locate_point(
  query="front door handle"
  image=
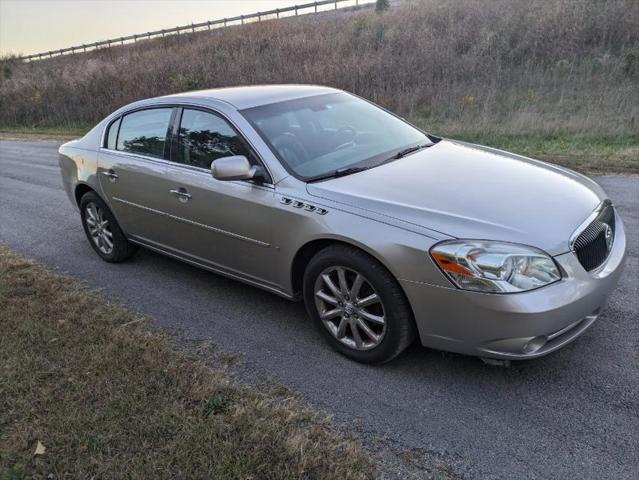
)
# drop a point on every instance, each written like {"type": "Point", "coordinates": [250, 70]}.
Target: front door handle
{"type": "Point", "coordinates": [111, 174]}
{"type": "Point", "coordinates": [182, 194]}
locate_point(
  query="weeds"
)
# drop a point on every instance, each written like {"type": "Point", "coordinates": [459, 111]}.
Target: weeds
{"type": "Point", "coordinates": [505, 66]}
{"type": "Point", "coordinates": [88, 391]}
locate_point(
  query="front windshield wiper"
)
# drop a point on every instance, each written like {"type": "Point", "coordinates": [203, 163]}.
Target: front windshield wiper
{"type": "Point", "coordinates": [407, 151]}
{"type": "Point", "coordinates": [340, 172]}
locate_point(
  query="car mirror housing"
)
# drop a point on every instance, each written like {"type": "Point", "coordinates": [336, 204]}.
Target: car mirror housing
{"type": "Point", "coordinates": [236, 167]}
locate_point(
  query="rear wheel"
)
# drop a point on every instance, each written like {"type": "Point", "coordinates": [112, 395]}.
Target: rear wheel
{"type": "Point", "coordinates": [102, 230]}
{"type": "Point", "coordinates": [357, 305]}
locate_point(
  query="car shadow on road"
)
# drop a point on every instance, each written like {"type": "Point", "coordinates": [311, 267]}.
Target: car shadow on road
{"type": "Point", "coordinates": [247, 320]}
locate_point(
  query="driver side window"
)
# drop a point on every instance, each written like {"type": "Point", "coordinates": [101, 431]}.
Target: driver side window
{"type": "Point", "coordinates": [204, 137]}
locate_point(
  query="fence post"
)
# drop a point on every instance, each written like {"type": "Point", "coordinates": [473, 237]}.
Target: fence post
{"type": "Point", "coordinates": [193, 28]}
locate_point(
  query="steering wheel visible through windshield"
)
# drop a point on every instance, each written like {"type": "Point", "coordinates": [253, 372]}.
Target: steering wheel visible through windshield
{"type": "Point", "coordinates": [316, 136]}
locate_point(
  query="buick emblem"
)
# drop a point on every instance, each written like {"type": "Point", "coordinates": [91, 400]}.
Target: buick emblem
{"type": "Point", "coordinates": [609, 236]}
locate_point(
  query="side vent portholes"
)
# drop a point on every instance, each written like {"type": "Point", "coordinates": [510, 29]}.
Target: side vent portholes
{"type": "Point", "coordinates": [305, 206]}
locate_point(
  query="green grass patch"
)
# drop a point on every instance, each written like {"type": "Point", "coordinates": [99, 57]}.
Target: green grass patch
{"type": "Point", "coordinates": [43, 133]}
{"type": "Point", "coordinates": [87, 390]}
{"type": "Point", "coordinates": [587, 153]}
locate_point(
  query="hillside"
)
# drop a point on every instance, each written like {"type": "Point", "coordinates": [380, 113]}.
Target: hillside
{"type": "Point", "coordinates": [473, 67]}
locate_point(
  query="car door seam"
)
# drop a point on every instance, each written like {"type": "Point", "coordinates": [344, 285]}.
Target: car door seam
{"type": "Point", "coordinates": [192, 222]}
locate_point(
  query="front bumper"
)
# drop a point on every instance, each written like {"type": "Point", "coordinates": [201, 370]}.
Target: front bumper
{"type": "Point", "coordinates": [520, 325]}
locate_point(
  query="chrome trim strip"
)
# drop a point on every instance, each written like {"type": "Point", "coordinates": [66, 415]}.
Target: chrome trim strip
{"type": "Point", "coordinates": [121, 153]}
{"type": "Point", "coordinates": [595, 213]}
{"type": "Point", "coordinates": [191, 222]}
{"type": "Point", "coordinates": [164, 251]}
{"type": "Point", "coordinates": [567, 328]}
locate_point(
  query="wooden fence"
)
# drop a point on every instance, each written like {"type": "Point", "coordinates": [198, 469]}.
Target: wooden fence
{"type": "Point", "coordinates": [313, 7]}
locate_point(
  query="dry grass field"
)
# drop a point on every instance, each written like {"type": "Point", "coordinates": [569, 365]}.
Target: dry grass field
{"type": "Point", "coordinates": [109, 398]}
{"type": "Point", "coordinates": [470, 67]}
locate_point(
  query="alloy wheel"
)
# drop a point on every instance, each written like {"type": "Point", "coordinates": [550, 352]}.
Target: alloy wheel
{"type": "Point", "coordinates": [350, 308]}
{"type": "Point", "coordinates": [99, 228]}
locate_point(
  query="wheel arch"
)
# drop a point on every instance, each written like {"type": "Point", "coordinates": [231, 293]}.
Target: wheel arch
{"type": "Point", "coordinates": [308, 250]}
{"type": "Point", "coordinates": [81, 189]}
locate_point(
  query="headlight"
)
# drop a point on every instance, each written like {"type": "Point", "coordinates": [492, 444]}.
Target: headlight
{"type": "Point", "coordinates": [495, 267]}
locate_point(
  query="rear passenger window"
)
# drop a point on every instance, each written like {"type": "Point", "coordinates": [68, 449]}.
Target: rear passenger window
{"type": "Point", "coordinates": [204, 137]}
{"type": "Point", "coordinates": [113, 134]}
{"type": "Point", "coordinates": [144, 132]}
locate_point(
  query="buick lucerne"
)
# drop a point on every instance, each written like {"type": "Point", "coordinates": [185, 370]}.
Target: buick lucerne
{"type": "Point", "coordinates": [386, 232]}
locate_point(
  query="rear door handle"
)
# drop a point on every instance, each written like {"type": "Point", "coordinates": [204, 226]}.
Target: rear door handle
{"type": "Point", "coordinates": [182, 194]}
{"type": "Point", "coordinates": [111, 174]}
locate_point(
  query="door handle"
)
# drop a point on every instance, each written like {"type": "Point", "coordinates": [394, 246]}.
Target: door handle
{"type": "Point", "coordinates": [110, 174]}
{"type": "Point", "coordinates": [182, 194]}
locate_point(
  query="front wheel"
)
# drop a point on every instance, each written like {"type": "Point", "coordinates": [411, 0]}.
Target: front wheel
{"type": "Point", "coordinates": [357, 305]}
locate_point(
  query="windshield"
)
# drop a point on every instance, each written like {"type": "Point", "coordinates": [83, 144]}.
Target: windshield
{"type": "Point", "coordinates": [315, 136]}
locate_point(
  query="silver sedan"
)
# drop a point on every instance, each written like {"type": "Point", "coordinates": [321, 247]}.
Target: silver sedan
{"type": "Point", "coordinates": [386, 232]}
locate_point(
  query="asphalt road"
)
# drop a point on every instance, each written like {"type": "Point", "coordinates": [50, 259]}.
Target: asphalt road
{"type": "Point", "coordinates": [573, 414]}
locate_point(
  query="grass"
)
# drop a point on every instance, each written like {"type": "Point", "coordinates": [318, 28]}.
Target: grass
{"type": "Point", "coordinates": [42, 133]}
{"type": "Point", "coordinates": [586, 153]}
{"type": "Point", "coordinates": [533, 66]}
{"type": "Point", "coordinates": [109, 398]}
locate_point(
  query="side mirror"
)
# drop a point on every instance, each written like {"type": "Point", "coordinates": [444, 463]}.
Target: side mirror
{"type": "Point", "coordinates": [236, 167]}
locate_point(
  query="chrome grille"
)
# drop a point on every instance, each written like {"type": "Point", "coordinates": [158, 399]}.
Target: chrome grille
{"type": "Point", "coordinates": [592, 246]}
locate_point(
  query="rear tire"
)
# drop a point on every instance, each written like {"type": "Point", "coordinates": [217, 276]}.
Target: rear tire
{"type": "Point", "coordinates": [102, 230]}
{"type": "Point", "coordinates": [357, 305]}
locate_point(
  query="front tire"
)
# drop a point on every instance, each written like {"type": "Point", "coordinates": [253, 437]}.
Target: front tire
{"type": "Point", "coordinates": [102, 230]}
{"type": "Point", "coordinates": [357, 305]}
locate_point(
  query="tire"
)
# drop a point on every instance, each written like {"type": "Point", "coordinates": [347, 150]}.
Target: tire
{"type": "Point", "coordinates": [393, 335]}
{"type": "Point", "coordinates": [110, 243]}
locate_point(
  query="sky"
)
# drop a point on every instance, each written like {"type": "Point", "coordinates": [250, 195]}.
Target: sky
{"type": "Point", "coordinates": [33, 26]}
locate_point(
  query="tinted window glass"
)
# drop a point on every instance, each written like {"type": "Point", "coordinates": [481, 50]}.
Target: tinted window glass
{"type": "Point", "coordinates": [144, 132]}
{"type": "Point", "coordinates": [204, 137]}
{"type": "Point", "coordinates": [113, 134]}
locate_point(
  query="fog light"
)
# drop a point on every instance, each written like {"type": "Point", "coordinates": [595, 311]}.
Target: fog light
{"type": "Point", "coordinates": [534, 344]}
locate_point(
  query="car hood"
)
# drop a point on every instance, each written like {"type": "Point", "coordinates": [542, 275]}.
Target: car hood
{"type": "Point", "coordinates": [470, 191]}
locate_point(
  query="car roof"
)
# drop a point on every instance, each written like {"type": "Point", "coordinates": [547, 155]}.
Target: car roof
{"type": "Point", "coordinates": [255, 96]}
